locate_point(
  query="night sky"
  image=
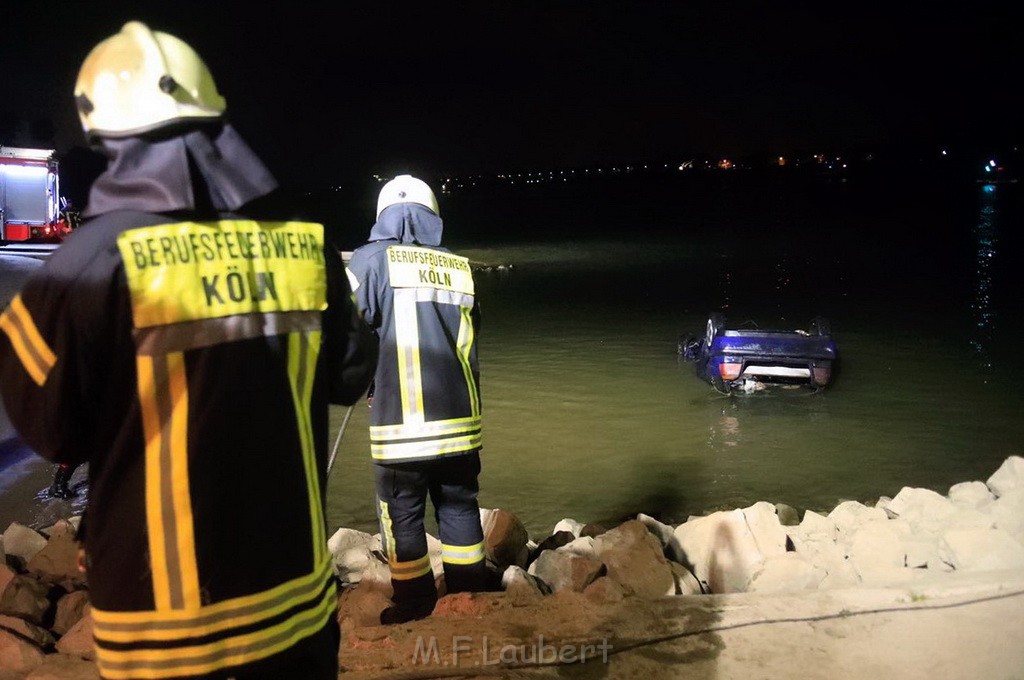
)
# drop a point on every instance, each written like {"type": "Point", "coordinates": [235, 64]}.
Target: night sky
{"type": "Point", "coordinates": [492, 86]}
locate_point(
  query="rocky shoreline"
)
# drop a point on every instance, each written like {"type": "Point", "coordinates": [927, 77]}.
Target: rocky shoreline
{"type": "Point", "coordinates": [578, 592]}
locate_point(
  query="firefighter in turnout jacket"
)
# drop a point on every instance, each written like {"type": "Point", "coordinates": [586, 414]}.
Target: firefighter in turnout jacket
{"type": "Point", "coordinates": [187, 341]}
{"type": "Point", "coordinates": [425, 415]}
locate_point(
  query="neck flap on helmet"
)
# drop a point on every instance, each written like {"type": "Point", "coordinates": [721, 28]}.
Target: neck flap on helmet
{"type": "Point", "coordinates": [204, 166]}
{"type": "Point", "coordinates": [408, 223]}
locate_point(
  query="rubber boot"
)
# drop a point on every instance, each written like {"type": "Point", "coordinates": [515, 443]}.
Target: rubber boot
{"type": "Point", "coordinates": [413, 599]}
{"type": "Point", "coordinates": [61, 476]}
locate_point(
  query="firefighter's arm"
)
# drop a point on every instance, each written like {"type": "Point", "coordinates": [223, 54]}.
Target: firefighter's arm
{"type": "Point", "coordinates": [41, 386]}
{"type": "Point", "coordinates": [354, 344]}
{"type": "Point", "coordinates": [362, 282]}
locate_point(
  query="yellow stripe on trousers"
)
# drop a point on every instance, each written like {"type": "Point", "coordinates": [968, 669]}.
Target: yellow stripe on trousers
{"type": "Point", "coordinates": [462, 554]}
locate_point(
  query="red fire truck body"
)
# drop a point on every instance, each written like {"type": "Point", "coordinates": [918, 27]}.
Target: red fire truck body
{"type": "Point", "coordinates": [31, 206]}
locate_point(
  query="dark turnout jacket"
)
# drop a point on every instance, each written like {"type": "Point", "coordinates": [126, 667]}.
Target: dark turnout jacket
{"type": "Point", "coordinates": [191, 362]}
{"type": "Point", "coordinates": [421, 300]}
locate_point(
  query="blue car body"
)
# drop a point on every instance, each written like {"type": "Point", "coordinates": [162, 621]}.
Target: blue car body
{"type": "Point", "coordinates": [752, 359]}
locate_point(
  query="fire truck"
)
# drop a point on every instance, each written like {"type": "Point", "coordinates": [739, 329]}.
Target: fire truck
{"type": "Point", "coordinates": [32, 209]}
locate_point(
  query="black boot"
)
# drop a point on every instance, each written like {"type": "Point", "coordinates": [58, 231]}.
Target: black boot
{"type": "Point", "coordinates": [413, 599]}
{"type": "Point", "coordinates": [61, 476]}
{"type": "Point", "coordinates": [404, 612]}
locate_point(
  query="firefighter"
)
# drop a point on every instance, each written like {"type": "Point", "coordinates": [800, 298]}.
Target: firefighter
{"type": "Point", "coordinates": [186, 341]}
{"type": "Point", "coordinates": [425, 421]}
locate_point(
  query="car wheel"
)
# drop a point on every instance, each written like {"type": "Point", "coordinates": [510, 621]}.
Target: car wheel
{"type": "Point", "coordinates": [820, 326]}
{"type": "Point", "coordinates": [716, 322]}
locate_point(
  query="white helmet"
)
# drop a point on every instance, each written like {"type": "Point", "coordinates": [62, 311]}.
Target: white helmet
{"type": "Point", "coordinates": [406, 189]}
{"type": "Point", "coordinates": [140, 80]}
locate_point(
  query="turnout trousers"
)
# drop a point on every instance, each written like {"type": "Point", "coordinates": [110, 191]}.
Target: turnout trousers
{"type": "Point", "coordinates": [402, 491]}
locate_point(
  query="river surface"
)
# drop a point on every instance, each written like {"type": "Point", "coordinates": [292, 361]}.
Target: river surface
{"type": "Point", "coordinates": [590, 413]}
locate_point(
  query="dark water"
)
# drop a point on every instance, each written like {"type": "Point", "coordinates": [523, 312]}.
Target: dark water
{"type": "Point", "coordinates": [590, 414]}
{"type": "Point", "coordinates": [588, 411]}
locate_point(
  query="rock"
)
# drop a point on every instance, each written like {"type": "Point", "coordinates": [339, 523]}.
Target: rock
{"type": "Point", "coordinates": [604, 590]}
{"type": "Point", "coordinates": [352, 552]}
{"type": "Point", "coordinates": [70, 609]}
{"type": "Point", "coordinates": [6, 574]}
{"type": "Point", "coordinates": [684, 581]}
{"type": "Point", "coordinates": [765, 526]}
{"type": "Point", "coordinates": [565, 570]}
{"type": "Point", "coordinates": [829, 556]}
{"type": "Point", "coordinates": [1009, 476]}
{"type": "Point", "coordinates": [18, 655]}
{"type": "Point", "coordinates": [662, 532]}
{"type": "Point", "coordinates": [974, 495]}
{"type": "Point", "coordinates": [552, 542]}
{"type": "Point", "coordinates": [981, 550]}
{"type": "Point", "coordinates": [785, 573]}
{"type": "Point", "coordinates": [26, 598]}
{"type": "Point", "coordinates": [924, 509]}
{"type": "Point", "coordinates": [522, 585]}
{"type": "Point", "coordinates": [917, 553]}
{"type": "Point", "coordinates": [876, 543]}
{"type": "Point", "coordinates": [76, 522]}
{"type": "Point", "coordinates": [818, 526]}
{"type": "Point", "coordinates": [1007, 513]}
{"type": "Point", "coordinates": [64, 667]}
{"type": "Point", "coordinates": [635, 558]}
{"type": "Point", "coordinates": [504, 538]}
{"type": "Point", "coordinates": [726, 548]}
{"type": "Point", "coordinates": [788, 515]}
{"type": "Point", "coordinates": [349, 564]}
{"type": "Point", "coordinates": [22, 542]}
{"type": "Point", "coordinates": [57, 562]}
{"type": "Point", "coordinates": [876, 551]}
{"type": "Point", "coordinates": [849, 515]}
{"type": "Point", "coordinates": [376, 576]}
{"type": "Point", "coordinates": [592, 530]}
{"type": "Point", "coordinates": [883, 503]}
{"type": "Point", "coordinates": [360, 606]}
{"type": "Point", "coordinates": [720, 551]}
{"type": "Point", "coordinates": [570, 525]}
{"type": "Point", "coordinates": [79, 641]}
{"type": "Point", "coordinates": [35, 634]}
{"type": "Point", "coordinates": [434, 549]}
{"type": "Point", "coordinates": [377, 546]}
{"type": "Point", "coordinates": [584, 545]}
{"type": "Point", "coordinates": [485, 514]}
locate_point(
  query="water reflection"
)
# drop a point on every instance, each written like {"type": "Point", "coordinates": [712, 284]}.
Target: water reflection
{"type": "Point", "coordinates": [985, 235]}
{"type": "Point", "coordinates": [729, 430]}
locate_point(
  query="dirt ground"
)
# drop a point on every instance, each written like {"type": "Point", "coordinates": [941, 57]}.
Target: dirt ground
{"type": "Point", "coordinates": [949, 627]}
{"type": "Point", "coordinates": [957, 626]}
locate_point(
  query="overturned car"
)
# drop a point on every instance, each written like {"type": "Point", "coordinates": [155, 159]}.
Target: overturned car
{"type": "Point", "coordinates": [749, 359]}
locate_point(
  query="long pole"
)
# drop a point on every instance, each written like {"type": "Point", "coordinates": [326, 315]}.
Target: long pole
{"type": "Point", "coordinates": [337, 442]}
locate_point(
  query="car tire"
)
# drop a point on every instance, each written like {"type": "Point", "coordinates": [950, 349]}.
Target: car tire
{"type": "Point", "coordinates": [716, 323]}
{"type": "Point", "coordinates": [820, 326]}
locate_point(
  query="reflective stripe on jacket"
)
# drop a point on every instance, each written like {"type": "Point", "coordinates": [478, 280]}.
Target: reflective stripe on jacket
{"type": "Point", "coordinates": [191, 364]}
{"type": "Point", "coordinates": [421, 299]}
